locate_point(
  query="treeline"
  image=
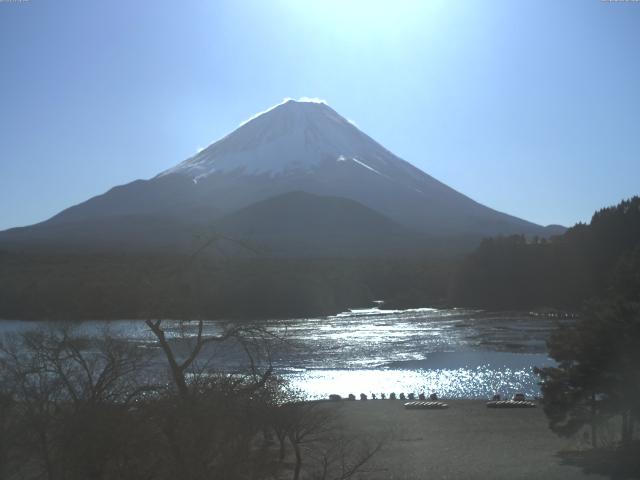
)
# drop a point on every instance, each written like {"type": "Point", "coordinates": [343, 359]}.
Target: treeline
{"type": "Point", "coordinates": [72, 287]}
{"type": "Point", "coordinates": [502, 273]}
{"type": "Point", "coordinates": [587, 261]}
{"type": "Point", "coordinates": [593, 389]}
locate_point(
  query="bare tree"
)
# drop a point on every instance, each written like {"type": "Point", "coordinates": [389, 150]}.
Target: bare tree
{"type": "Point", "coordinates": [7, 432]}
{"type": "Point", "coordinates": [70, 396]}
{"type": "Point", "coordinates": [179, 367]}
{"type": "Point", "coordinates": [340, 456]}
{"type": "Point", "coordinates": [83, 407]}
{"type": "Point", "coordinates": [321, 448]}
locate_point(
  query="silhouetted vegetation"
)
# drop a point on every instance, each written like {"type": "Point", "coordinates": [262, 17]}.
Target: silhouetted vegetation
{"type": "Point", "coordinates": [71, 287]}
{"type": "Point", "coordinates": [585, 262]}
{"type": "Point", "coordinates": [101, 408]}
{"type": "Point", "coordinates": [598, 373]}
{"type": "Point", "coordinates": [594, 389]}
{"type": "Point", "coordinates": [502, 273]}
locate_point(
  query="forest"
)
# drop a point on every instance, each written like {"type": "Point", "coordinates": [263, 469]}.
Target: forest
{"type": "Point", "coordinates": [107, 287]}
{"type": "Point", "coordinates": [512, 272]}
{"type": "Point", "coordinates": [589, 260]}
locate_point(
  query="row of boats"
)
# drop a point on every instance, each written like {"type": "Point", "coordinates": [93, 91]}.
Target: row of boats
{"type": "Point", "coordinates": [518, 401]}
{"type": "Point", "coordinates": [383, 396]}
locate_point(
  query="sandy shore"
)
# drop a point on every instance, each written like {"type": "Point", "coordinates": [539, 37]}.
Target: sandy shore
{"type": "Point", "coordinates": [465, 441]}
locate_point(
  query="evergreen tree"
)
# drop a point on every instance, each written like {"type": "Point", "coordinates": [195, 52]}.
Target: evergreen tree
{"type": "Point", "coordinates": [598, 371]}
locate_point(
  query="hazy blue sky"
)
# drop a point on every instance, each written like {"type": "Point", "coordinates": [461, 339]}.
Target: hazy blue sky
{"type": "Point", "coordinates": [532, 108]}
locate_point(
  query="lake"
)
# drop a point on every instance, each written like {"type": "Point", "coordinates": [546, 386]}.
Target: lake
{"type": "Point", "coordinates": [458, 353]}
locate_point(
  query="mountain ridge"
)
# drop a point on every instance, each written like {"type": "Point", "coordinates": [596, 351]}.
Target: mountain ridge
{"type": "Point", "coordinates": [294, 147]}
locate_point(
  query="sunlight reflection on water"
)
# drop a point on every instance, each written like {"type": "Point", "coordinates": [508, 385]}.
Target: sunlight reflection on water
{"type": "Point", "coordinates": [459, 353]}
{"type": "Point", "coordinates": [481, 382]}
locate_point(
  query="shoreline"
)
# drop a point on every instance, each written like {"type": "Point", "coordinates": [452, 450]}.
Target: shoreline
{"type": "Point", "coordinates": [465, 441]}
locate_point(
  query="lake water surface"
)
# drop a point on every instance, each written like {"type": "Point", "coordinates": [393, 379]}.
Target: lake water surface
{"type": "Point", "coordinates": [458, 353]}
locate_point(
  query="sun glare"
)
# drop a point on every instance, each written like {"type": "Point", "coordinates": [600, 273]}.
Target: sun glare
{"type": "Point", "coordinates": [377, 18]}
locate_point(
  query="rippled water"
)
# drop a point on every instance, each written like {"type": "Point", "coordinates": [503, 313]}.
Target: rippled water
{"type": "Point", "coordinates": [457, 353]}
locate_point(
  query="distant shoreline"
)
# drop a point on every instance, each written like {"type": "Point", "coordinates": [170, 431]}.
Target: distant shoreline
{"type": "Point", "coordinates": [545, 312]}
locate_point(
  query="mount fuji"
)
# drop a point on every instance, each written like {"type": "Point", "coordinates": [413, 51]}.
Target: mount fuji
{"type": "Point", "coordinates": [299, 179]}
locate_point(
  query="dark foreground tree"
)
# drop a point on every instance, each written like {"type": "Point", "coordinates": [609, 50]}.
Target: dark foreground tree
{"type": "Point", "coordinates": [73, 407]}
{"type": "Point", "coordinates": [597, 378]}
{"type": "Point", "coordinates": [68, 405]}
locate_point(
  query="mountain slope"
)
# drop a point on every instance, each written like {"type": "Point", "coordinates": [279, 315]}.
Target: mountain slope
{"type": "Point", "coordinates": [302, 224]}
{"type": "Point", "coordinates": [294, 147]}
{"type": "Point", "coordinates": [309, 147]}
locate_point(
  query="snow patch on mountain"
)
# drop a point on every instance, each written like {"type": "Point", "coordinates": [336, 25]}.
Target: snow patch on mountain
{"type": "Point", "coordinates": [297, 137]}
{"type": "Point", "coordinates": [342, 158]}
{"type": "Point", "coordinates": [365, 166]}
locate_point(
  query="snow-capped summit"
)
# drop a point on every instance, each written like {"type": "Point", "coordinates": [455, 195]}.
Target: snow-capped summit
{"type": "Point", "coordinates": [304, 147]}
{"type": "Point", "coordinates": [294, 136]}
